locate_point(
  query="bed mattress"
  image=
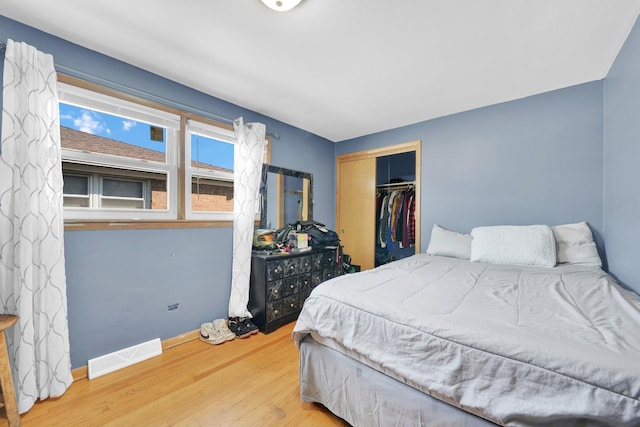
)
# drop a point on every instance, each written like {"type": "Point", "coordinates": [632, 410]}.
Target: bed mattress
{"type": "Point", "coordinates": [514, 345]}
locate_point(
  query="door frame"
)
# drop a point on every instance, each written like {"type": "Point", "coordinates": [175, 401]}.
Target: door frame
{"type": "Point", "coordinates": [380, 152]}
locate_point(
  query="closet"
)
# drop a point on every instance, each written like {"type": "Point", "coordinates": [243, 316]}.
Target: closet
{"type": "Point", "coordinates": [395, 207]}
{"type": "Point", "coordinates": [360, 178]}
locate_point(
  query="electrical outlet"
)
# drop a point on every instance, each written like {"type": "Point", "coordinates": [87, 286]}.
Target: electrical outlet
{"type": "Point", "coordinates": [173, 307]}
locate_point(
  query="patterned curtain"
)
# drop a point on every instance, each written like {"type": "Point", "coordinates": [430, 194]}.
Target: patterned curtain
{"type": "Point", "coordinates": [32, 274]}
{"type": "Point", "coordinates": [247, 168]}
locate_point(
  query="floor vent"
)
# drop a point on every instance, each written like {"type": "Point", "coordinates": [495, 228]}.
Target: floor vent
{"type": "Point", "coordinates": [123, 358]}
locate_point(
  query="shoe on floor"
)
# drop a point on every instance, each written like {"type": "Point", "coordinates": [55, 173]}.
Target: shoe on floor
{"type": "Point", "coordinates": [248, 325]}
{"type": "Point", "coordinates": [221, 325]}
{"type": "Point", "coordinates": [211, 335]}
{"type": "Point", "coordinates": [238, 327]}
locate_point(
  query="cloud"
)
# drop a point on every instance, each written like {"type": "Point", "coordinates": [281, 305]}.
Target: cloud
{"type": "Point", "coordinates": [127, 124]}
{"type": "Point", "coordinates": [88, 123]}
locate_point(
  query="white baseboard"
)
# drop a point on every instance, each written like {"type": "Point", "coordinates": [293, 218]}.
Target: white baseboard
{"type": "Point", "coordinates": [122, 358]}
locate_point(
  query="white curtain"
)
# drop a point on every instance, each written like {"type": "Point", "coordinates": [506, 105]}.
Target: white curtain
{"type": "Point", "coordinates": [248, 157]}
{"type": "Point", "coordinates": [32, 274]}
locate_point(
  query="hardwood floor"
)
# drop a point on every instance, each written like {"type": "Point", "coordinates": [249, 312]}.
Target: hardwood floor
{"type": "Point", "coordinates": [249, 382]}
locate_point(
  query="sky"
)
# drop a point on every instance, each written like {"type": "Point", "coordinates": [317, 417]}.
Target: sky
{"type": "Point", "coordinates": [205, 150]}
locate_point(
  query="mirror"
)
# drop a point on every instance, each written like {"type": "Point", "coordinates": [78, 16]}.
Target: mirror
{"type": "Point", "coordinates": [286, 197]}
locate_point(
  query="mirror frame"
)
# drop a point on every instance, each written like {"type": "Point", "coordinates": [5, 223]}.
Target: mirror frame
{"type": "Point", "coordinates": [307, 179]}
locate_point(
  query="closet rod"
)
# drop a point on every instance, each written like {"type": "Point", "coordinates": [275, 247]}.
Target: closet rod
{"type": "Point", "coordinates": [133, 91]}
{"type": "Point", "coordinates": [397, 184]}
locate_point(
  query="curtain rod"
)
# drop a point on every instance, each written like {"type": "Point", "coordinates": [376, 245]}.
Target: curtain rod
{"type": "Point", "coordinates": [133, 91]}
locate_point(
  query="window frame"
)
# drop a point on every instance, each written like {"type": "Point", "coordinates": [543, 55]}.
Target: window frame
{"type": "Point", "coordinates": [100, 102]}
{"type": "Point", "coordinates": [178, 220]}
{"type": "Point", "coordinates": [144, 189]}
{"type": "Point", "coordinates": [190, 172]}
{"type": "Point", "coordinates": [95, 187]}
{"type": "Point", "coordinates": [88, 196]}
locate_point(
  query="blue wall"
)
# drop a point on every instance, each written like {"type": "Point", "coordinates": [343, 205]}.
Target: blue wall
{"type": "Point", "coordinates": [537, 160]}
{"type": "Point", "coordinates": [622, 162]}
{"type": "Point", "coordinates": [120, 283]}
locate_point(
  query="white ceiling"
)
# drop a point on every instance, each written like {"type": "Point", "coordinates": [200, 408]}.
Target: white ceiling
{"type": "Point", "coordinates": [347, 68]}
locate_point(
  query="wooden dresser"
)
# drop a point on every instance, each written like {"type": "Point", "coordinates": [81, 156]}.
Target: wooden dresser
{"type": "Point", "coordinates": [281, 283]}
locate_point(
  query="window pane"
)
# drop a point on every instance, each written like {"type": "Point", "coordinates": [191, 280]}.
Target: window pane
{"type": "Point", "coordinates": [75, 202]}
{"type": "Point", "coordinates": [123, 203]}
{"type": "Point", "coordinates": [74, 184]}
{"type": "Point", "coordinates": [210, 195]}
{"type": "Point", "coordinates": [92, 131]}
{"type": "Point", "coordinates": [158, 193]}
{"type": "Point", "coordinates": [121, 188]}
{"type": "Point", "coordinates": [211, 154]}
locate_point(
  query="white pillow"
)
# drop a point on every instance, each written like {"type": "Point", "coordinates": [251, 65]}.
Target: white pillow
{"type": "Point", "coordinates": [576, 245]}
{"type": "Point", "coordinates": [449, 243]}
{"type": "Point", "coordinates": [512, 244]}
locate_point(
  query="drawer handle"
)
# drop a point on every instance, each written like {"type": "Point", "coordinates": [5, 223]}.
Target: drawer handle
{"type": "Point", "coordinates": [275, 291]}
{"type": "Point", "coordinates": [292, 305]}
{"type": "Point", "coordinates": [275, 311]}
{"type": "Point", "coordinates": [291, 286]}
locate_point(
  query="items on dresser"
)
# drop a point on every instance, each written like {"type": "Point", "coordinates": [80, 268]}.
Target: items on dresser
{"type": "Point", "coordinates": [316, 233]}
{"type": "Point", "coordinates": [280, 283]}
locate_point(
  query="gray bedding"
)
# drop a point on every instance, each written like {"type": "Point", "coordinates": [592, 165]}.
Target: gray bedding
{"type": "Point", "coordinates": [514, 345]}
{"type": "Point", "coordinates": [363, 396]}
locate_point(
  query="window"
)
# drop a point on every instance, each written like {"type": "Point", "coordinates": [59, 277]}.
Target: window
{"type": "Point", "coordinates": [119, 158]}
{"type": "Point", "coordinates": [76, 191]}
{"type": "Point", "coordinates": [209, 173]}
{"type": "Point", "coordinates": [99, 191]}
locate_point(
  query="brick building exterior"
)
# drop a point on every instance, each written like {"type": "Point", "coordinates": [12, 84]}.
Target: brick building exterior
{"type": "Point", "coordinates": [206, 195]}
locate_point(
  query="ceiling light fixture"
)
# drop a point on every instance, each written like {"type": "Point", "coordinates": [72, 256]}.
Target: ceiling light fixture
{"type": "Point", "coordinates": [281, 5]}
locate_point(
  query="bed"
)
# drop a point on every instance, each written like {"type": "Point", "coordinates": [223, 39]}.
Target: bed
{"type": "Point", "coordinates": [444, 340]}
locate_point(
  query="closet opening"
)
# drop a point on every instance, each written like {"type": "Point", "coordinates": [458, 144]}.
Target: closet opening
{"type": "Point", "coordinates": [395, 207]}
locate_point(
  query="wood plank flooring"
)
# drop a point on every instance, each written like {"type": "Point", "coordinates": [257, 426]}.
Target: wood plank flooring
{"type": "Point", "coordinates": [249, 382]}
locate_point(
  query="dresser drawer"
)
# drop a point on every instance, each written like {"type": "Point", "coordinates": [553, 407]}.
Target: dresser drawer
{"type": "Point", "coordinates": [291, 305]}
{"type": "Point", "coordinates": [274, 310]}
{"type": "Point", "coordinates": [329, 273]}
{"type": "Point", "coordinates": [291, 266]}
{"type": "Point", "coordinates": [290, 285]}
{"type": "Point", "coordinates": [274, 290]}
{"type": "Point", "coordinates": [306, 263]}
{"type": "Point", "coordinates": [304, 283]}
{"type": "Point", "coordinates": [317, 277]}
{"type": "Point", "coordinates": [275, 270]}
{"type": "Point", "coordinates": [324, 259]}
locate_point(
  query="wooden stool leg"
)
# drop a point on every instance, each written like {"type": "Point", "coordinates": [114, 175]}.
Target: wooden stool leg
{"type": "Point", "coordinates": [6, 381]}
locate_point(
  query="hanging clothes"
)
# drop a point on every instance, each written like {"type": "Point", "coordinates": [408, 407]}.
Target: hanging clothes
{"type": "Point", "coordinates": [408, 220]}
{"type": "Point", "coordinates": [384, 221]}
{"type": "Point", "coordinates": [379, 197]}
{"type": "Point", "coordinates": [395, 213]}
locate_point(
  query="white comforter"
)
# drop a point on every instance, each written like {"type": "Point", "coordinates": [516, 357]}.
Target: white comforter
{"type": "Point", "coordinates": [515, 345]}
